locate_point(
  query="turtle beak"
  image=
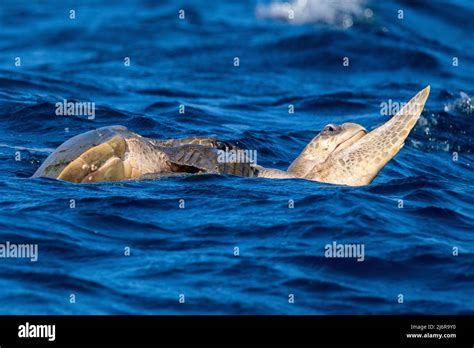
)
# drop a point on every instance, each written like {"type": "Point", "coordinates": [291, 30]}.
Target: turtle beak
{"type": "Point", "coordinates": [353, 128]}
{"type": "Point", "coordinates": [351, 132]}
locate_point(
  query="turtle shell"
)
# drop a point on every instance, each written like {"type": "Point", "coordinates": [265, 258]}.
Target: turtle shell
{"type": "Point", "coordinates": [74, 147]}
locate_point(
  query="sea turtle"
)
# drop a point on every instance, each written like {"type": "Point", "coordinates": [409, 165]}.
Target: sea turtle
{"type": "Point", "coordinates": [348, 155]}
{"type": "Point", "coordinates": [114, 153]}
{"type": "Point", "coordinates": [340, 154]}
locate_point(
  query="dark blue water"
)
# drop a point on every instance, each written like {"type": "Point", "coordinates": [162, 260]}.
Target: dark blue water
{"type": "Point", "coordinates": [190, 251]}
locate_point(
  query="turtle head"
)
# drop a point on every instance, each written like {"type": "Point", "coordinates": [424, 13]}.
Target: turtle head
{"type": "Point", "coordinates": [332, 139]}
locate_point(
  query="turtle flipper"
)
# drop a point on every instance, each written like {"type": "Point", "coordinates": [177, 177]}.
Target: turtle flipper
{"type": "Point", "coordinates": [202, 141]}
{"type": "Point", "coordinates": [360, 163]}
{"type": "Point", "coordinates": [104, 162]}
{"type": "Point", "coordinates": [112, 170]}
{"type": "Point", "coordinates": [191, 158]}
{"type": "Point", "coordinates": [76, 146]}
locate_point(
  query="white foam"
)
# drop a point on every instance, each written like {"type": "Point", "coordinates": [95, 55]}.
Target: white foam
{"type": "Point", "coordinates": [332, 12]}
{"type": "Point", "coordinates": [463, 105]}
{"type": "Point", "coordinates": [29, 149]}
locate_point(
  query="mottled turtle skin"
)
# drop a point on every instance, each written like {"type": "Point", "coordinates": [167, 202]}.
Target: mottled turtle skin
{"type": "Point", "coordinates": [340, 154]}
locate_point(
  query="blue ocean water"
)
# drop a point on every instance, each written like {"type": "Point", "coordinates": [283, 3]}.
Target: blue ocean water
{"type": "Point", "coordinates": [84, 231]}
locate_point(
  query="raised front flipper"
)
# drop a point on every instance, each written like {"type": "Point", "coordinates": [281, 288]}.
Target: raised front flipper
{"type": "Point", "coordinates": [359, 163]}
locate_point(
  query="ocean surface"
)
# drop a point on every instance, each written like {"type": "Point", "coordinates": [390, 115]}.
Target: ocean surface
{"type": "Point", "coordinates": [237, 247]}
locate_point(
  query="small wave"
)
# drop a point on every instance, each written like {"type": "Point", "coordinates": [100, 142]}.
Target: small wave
{"type": "Point", "coordinates": [440, 131]}
{"type": "Point", "coordinates": [332, 12]}
{"type": "Point", "coordinates": [29, 149]}
{"type": "Point", "coordinates": [461, 105]}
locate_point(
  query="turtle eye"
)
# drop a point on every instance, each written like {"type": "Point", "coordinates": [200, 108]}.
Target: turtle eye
{"type": "Point", "coordinates": [329, 128]}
